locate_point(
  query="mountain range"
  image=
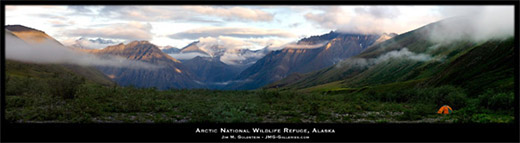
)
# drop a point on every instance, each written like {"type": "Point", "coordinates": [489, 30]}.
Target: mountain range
{"type": "Point", "coordinates": [85, 43]}
{"type": "Point", "coordinates": [212, 68]}
{"type": "Point", "coordinates": [227, 55]}
{"type": "Point", "coordinates": [328, 49]}
{"type": "Point", "coordinates": [334, 60]}
{"type": "Point", "coordinates": [170, 72]}
{"type": "Point", "coordinates": [414, 59]}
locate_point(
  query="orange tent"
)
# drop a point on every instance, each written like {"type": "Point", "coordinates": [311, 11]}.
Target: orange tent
{"type": "Point", "coordinates": [445, 110]}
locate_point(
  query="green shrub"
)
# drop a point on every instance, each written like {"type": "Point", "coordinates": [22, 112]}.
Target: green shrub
{"type": "Point", "coordinates": [491, 118]}
{"type": "Point", "coordinates": [269, 95]}
{"type": "Point", "coordinates": [15, 85]}
{"type": "Point", "coordinates": [409, 115]}
{"type": "Point", "coordinates": [64, 85]}
{"type": "Point", "coordinates": [418, 111]}
{"type": "Point", "coordinates": [25, 85]}
{"type": "Point", "coordinates": [314, 108]}
{"type": "Point", "coordinates": [15, 101]}
{"type": "Point", "coordinates": [396, 96]}
{"type": "Point", "coordinates": [443, 95]}
{"type": "Point", "coordinates": [227, 112]}
{"type": "Point", "coordinates": [497, 101]}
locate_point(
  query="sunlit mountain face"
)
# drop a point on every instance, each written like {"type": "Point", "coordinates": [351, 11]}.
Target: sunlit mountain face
{"type": "Point", "coordinates": [309, 54]}
{"type": "Point", "coordinates": [167, 73]}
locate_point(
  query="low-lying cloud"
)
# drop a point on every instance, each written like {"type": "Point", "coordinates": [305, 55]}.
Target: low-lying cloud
{"type": "Point", "coordinates": [477, 23]}
{"type": "Point", "coordinates": [403, 53]}
{"type": "Point", "coordinates": [223, 83]}
{"type": "Point", "coordinates": [223, 42]}
{"type": "Point", "coordinates": [230, 50]}
{"type": "Point", "coordinates": [236, 57]}
{"type": "Point", "coordinates": [293, 45]}
{"type": "Point", "coordinates": [85, 43]}
{"type": "Point", "coordinates": [51, 52]}
{"type": "Point", "coordinates": [187, 56]}
{"type": "Point", "coordinates": [304, 46]}
{"type": "Point", "coordinates": [480, 22]}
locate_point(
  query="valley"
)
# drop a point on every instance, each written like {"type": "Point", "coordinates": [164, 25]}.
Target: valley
{"type": "Point", "coordinates": [336, 77]}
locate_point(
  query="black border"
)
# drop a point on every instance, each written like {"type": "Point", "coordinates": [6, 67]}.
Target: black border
{"type": "Point", "coordinates": [58, 132]}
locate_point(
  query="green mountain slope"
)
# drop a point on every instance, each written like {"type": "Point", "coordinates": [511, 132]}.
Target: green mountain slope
{"type": "Point", "coordinates": [25, 36]}
{"type": "Point", "coordinates": [489, 65]}
{"type": "Point", "coordinates": [22, 77]}
{"type": "Point", "coordinates": [412, 56]}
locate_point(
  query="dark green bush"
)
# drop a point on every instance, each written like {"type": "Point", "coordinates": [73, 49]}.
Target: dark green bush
{"type": "Point", "coordinates": [228, 112]}
{"type": "Point", "coordinates": [16, 85]}
{"type": "Point", "coordinates": [314, 108]}
{"type": "Point", "coordinates": [25, 85]}
{"type": "Point", "coordinates": [396, 96]}
{"type": "Point", "coordinates": [65, 85]}
{"type": "Point", "coordinates": [418, 111]}
{"type": "Point", "coordinates": [269, 95]}
{"type": "Point", "coordinates": [409, 115]}
{"type": "Point", "coordinates": [443, 95]}
{"type": "Point", "coordinates": [497, 101]}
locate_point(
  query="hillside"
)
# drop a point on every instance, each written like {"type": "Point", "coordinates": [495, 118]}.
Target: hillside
{"type": "Point", "coordinates": [413, 56]}
{"type": "Point", "coordinates": [168, 73]}
{"type": "Point", "coordinates": [32, 38]}
{"type": "Point", "coordinates": [211, 70]}
{"type": "Point", "coordinates": [30, 35]}
{"type": "Point", "coordinates": [328, 49]}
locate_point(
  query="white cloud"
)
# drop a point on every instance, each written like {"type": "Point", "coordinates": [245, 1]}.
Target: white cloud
{"type": "Point", "coordinates": [231, 57]}
{"type": "Point", "coordinates": [475, 23]}
{"type": "Point", "coordinates": [402, 53]}
{"type": "Point", "coordinates": [329, 17]}
{"type": "Point", "coordinates": [128, 31]}
{"type": "Point", "coordinates": [271, 43]}
{"type": "Point", "coordinates": [226, 42]}
{"type": "Point", "coordinates": [86, 43]}
{"type": "Point", "coordinates": [232, 13]}
{"type": "Point", "coordinates": [378, 11]}
{"type": "Point", "coordinates": [257, 22]}
{"type": "Point", "coordinates": [186, 13]}
{"type": "Point", "coordinates": [372, 19]}
{"type": "Point", "coordinates": [61, 23]}
{"type": "Point", "coordinates": [10, 8]}
{"type": "Point", "coordinates": [249, 32]}
{"type": "Point", "coordinates": [231, 50]}
{"type": "Point", "coordinates": [80, 9]}
{"type": "Point", "coordinates": [304, 46]}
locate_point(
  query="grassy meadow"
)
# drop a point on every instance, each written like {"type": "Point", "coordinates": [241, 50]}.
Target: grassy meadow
{"type": "Point", "coordinates": [66, 98]}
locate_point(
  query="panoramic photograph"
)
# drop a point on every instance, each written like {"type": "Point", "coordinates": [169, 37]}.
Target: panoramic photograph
{"type": "Point", "coordinates": [259, 64]}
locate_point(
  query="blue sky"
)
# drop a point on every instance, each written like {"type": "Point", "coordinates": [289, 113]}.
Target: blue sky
{"type": "Point", "coordinates": [252, 27]}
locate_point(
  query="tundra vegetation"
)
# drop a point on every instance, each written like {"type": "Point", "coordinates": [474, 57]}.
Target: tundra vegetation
{"type": "Point", "coordinates": [43, 94]}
